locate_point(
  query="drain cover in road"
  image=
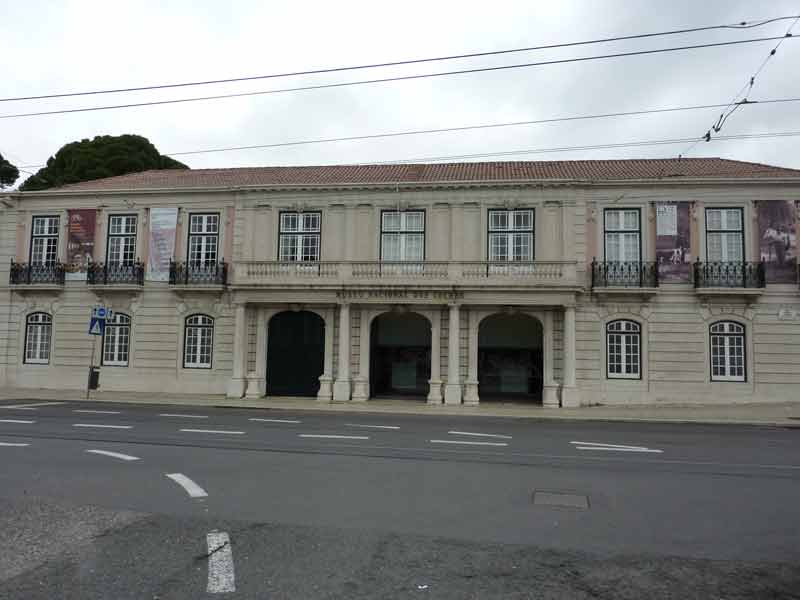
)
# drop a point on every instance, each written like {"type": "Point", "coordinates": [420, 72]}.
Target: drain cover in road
{"type": "Point", "coordinates": [561, 499]}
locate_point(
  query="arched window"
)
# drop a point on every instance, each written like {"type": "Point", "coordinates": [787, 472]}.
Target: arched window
{"type": "Point", "coordinates": [727, 351]}
{"type": "Point", "coordinates": [38, 331]}
{"type": "Point", "coordinates": [198, 342]}
{"type": "Point", "coordinates": [116, 341]}
{"type": "Point", "coordinates": [624, 350]}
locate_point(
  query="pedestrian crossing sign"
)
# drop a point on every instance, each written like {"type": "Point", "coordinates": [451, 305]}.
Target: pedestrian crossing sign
{"type": "Point", "coordinates": [96, 326]}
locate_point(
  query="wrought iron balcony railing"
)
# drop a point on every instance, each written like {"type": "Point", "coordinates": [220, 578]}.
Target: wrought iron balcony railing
{"type": "Point", "coordinates": [624, 274]}
{"type": "Point", "coordinates": [198, 273]}
{"type": "Point", "coordinates": [36, 273]}
{"type": "Point", "coordinates": [115, 274]}
{"type": "Point", "coordinates": [729, 274]}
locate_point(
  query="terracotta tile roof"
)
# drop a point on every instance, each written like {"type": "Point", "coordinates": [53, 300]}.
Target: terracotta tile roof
{"type": "Point", "coordinates": [583, 170]}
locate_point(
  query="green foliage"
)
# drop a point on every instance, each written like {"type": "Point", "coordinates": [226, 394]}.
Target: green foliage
{"type": "Point", "coordinates": [104, 156]}
{"type": "Point", "coordinates": [8, 172]}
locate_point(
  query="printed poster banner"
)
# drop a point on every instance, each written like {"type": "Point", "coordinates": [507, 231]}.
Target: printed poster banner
{"type": "Point", "coordinates": [80, 242]}
{"type": "Point", "coordinates": [777, 234]}
{"type": "Point", "coordinates": [673, 247]}
{"type": "Point", "coordinates": [163, 222]}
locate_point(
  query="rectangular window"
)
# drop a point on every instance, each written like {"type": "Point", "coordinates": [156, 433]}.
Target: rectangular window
{"type": "Point", "coordinates": [724, 235]}
{"type": "Point", "coordinates": [727, 352]}
{"type": "Point", "coordinates": [511, 235]}
{"type": "Point", "coordinates": [38, 331]}
{"type": "Point", "coordinates": [203, 238]}
{"type": "Point", "coordinates": [623, 350]}
{"type": "Point", "coordinates": [403, 236]}
{"type": "Point", "coordinates": [622, 235]}
{"type": "Point", "coordinates": [299, 237]}
{"type": "Point", "coordinates": [116, 341]}
{"type": "Point", "coordinates": [121, 246]}
{"type": "Point", "coordinates": [44, 240]}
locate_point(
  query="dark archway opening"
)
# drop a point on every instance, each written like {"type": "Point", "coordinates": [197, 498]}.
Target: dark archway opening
{"type": "Point", "coordinates": [295, 353]}
{"type": "Point", "coordinates": [510, 358]}
{"type": "Point", "coordinates": [400, 355]}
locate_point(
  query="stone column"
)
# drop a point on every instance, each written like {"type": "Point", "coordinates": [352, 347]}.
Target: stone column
{"type": "Point", "coordinates": [325, 393]}
{"type": "Point", "coordinates": [257, 380]}
{"type": "Point", "coordinates": [452, 391]}
{"type": "Point", "coordinates": [237, 383]}
{"type": "Point", "coordinates": [570, 396]}
{"type": "Point", "coordinates": [435, 382]}
{"type": "Point", "coordinates": [361, 383]}
{"type": "Point", "coordinates": [471, 384]}
{"type": "Point", "coordinates": [341, 387]}
{"type": "Point", "coordinates": [550, 388]}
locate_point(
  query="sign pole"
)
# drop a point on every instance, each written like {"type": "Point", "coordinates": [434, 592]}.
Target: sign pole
{"type": "Point", "coordinates": [91, 365]}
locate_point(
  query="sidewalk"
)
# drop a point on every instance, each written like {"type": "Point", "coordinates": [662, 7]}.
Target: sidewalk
{"type": "Point", "coordinates": [779, 414]}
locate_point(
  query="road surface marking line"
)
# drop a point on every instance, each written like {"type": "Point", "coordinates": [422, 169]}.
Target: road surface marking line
{"type": "Point", "coordinates": [221, 577]}
{"type": "Point", "coordinates": [194, 490]}
{"type": "Point", "coordinates": [212, 431]}
{"type": "Point", "coordinates": [619, 449]}
{"type": "Point", "coordinates": [371, 426]}
{"type": "Point", "coordinates": [605, 445]}
{"type": "Point", "coordinates": [34, 405]}
{"type": "Point", "coordinates": [97, 412]}
{"type": "Point", "coordinates": [491, 435]}
{"type": "Point", "coordinates": [102, 426]}
{"type": "Point", "coordinates": [20, 421]}
{"type": "Point", "coordinates": [334, 437]}
{"type": "Point", "coordinates": [14, 444]}
{"type": "Point", "coordinates": [274, 420]}
{"type": "Point", "coordinates": [179, 416]}
{"type": "Point", "coordinates": [113, 454]}
{"type": "Point", "coordinates": [468, 443]}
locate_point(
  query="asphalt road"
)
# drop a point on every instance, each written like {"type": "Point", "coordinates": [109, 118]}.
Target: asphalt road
{"type": "Point", "coordinates": [131, 501]}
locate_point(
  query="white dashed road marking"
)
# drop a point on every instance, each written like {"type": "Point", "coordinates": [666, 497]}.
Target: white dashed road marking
{"type": "Point", "coordinates": [113, 454]}
{"type": "Point", "coordinates": [274, 420]}
{"type": "Point", "coordinates": [98, 425]}
{"type": "Point", "coordinates": [194, 490]}
{"type": "Point", "coordinates": [177, 416]}
{"type": "Point", "coordinates": [14, 444]}
{"type": "Point", "coordinates": [468, 443]}
{"type": "Point", "coordinates": [18, 421]}
{"type": "Point", "coordinates": [613, 447]}
{"type": "Point", "coordinates": [96, 412]}
{"type": "Point", "coordinates": [372, 426]}
{"type": "Point", "coordinates": [212, 431]}
{"type": "Point", "coordinates": [221, 577]}
{"type": "Point", "coordinates": [334, 437]}
{"type": "Point", "coordinates": [33, 405]}
{"type": "Point", "coordinates": [491, 435]}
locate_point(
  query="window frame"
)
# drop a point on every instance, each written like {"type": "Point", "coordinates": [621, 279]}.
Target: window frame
{"type": "Point", "coordinates": [743, 334]}
{"type": "Point", "coordinates": [403, 232]}
{"type": "Point", "coordinates": [299, 233]}
{"type": "Point", "coordinates": [190, 235]}
{"type": "Point", "coordinates": [606, 231]}
{"type": "Point", "coordinates": [28, 324]}
{"type": "Point", "coordinates": [110, 236]}
{"type": "Point", "coordinates": [129, 325]}
{"type": "Point", "coordinates": [742, 237]}
{"type": "Point", "coordinates": [639, 334]}
{"type": "Point", "coordinates": [509, 232]}
{"type": "Point", "coordinates": [34, 236]}
{"type": "Point", "coordinates": [186, 326]}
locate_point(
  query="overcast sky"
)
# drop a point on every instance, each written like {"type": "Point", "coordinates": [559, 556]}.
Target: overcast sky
{"type": "Point", "coordinates": [75, 46]}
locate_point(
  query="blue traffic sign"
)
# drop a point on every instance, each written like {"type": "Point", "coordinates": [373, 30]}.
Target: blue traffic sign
{"type": "Point", "coordinates": [97, 326]}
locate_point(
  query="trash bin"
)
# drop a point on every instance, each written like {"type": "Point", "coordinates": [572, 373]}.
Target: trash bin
{"type": "Point", "coordinates": [94, 378]}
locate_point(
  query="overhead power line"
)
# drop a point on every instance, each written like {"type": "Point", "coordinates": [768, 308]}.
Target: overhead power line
{"type": "Point", "coordinates": [740, 25]}
{"type": "Point", "coordinates": [388, 79]}
{"type": "Point", "coordinates": [633, 144]}
{"type": "Point", "coordinates": [460, 128]}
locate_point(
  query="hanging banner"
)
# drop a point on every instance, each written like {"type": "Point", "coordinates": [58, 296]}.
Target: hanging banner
{"type": "Point", "coordinates": [673, 246]}
{"type": "Point", "coordinates": [80, 242]}
{"type": "Point", "coordinates": [163, 222]}
{"type": "Point", "coordinates": [777, 234]}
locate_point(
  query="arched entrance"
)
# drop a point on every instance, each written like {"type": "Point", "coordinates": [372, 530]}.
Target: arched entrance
{"type": "Point", "coordinates": [400, 355]}
{"type": "Point", "coordinates": [510, 358]}
{"type": "Point", "coordinates": [295, 353]}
